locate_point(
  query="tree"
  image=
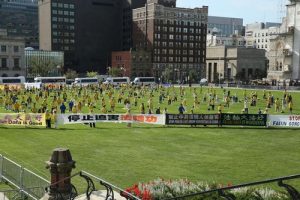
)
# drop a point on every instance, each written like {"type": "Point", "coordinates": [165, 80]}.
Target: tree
{"type": "Point", "coordinates": [40, 67]}
{"type": "Point", "coordinates": [193, 75]}
{"type": "Point", "coordinates": [167, 74]}
{"type": "Point", "coordinates": [91, 74]}
{"type": "Point", "coordinates": [71, 74]}
{"type": "Point", "coordinates": [114, 71]}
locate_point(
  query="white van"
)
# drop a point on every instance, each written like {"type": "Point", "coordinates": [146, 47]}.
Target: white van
{"type": "Point", "coordinates": [144, 81]}
{"type": "Point", "coordinates": [117, 80]}
{"type": "Point", "coordinates": [85, 81]}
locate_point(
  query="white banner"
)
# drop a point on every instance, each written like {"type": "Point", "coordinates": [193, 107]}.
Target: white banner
{"type": "Point", "coordinates": [116, 118]}
{"type": "Point", "coordinates": [284, 121]}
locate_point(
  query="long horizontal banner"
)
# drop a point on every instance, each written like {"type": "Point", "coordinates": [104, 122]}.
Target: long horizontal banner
{"type": "Point", "coordinates": [28, 119]}
{"type": "Point", "coordinates": [192, 119]}
{"type": "Point", "coordinates": [117, 118]}
{"type": "Point", "coordinates": [284, 121]}
{"type": "Point", "coordinates": [244, 119]}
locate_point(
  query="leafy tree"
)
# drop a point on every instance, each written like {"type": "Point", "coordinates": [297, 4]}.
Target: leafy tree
{"type": "Point", "coordinates": [71, 74]}
{"type": "Point", "coordinates": [114, 71]}
{"type": "Point", "coordinates": [40, 67]}
{"type": "Point", "coordinates": [193, 75]}
{"type": "Point", "coordinates": [167, 74]}
{"type": "Point", "coordinates": [91, 74]}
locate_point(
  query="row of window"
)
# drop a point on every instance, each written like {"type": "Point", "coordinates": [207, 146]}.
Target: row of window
{"type": "Point", "coordinates": [176, 37]}
{"type": "Point", "coordinates": [173, 14]}
{"type": "Point", "coordinates": [62, 26]}
{"type": "Point", "coordinates": [178, 52]}
{"type": "Point", "coordinates": [263, 40]}
{"type": "Point", "coordinates": [178, 44]}
{"type": "Point", "coordinates": [4, 63]}
{"type": "Point", "coordinates": [65, 41]}
{"type": "Point", "coordinates": [4, 48]}
{"type": "Point", "coordinates": [64, 33]}
{"type": "Point", "coordinates": [64, 47]}
{"type": "Point", "coordinates": [262, 46]}
{"type": "Point", "coordinates": [63, 12]}
{"type": "Point", "coordinates": [62, 5]}
{"type": "Point", "coordinates": [63, 19]}
{"type": "Point", "coordinates": [178, 29]}
{"type": "Point", "coordinates": [176, 59]}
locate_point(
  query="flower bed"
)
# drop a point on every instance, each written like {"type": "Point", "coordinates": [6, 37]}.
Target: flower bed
{"type": "Point", "coordinates": [163, 189]}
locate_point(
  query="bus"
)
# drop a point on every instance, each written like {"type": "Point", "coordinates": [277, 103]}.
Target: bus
{"type": "Point", "coordinates": [12, 80]}
{"type": "Point", "coordinates": [50, 80]}
{"type": "Point", "coordinates": [144, 81]}
{"type": "Point", "coordinates": [117, 80]}
{"type": "Point", "coordinates": [85, 81]}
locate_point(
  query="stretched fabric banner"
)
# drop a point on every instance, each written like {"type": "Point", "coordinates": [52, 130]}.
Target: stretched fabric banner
{"type": "Point", "coordinates": [193, 119]}
{"type": "Point", "coordinates": [284, 121]}
{"type": "Point", "coordinates": [116, 118]}
{"type": "Point", "coordinates": [244, 119]}
{"type": "Point", "coordinates": [12, 86]}
{"type": "Point", "coordinates": [22, 119]}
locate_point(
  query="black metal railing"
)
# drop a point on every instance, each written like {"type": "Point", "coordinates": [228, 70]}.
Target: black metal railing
{"type": "Point", "coordinates": [89, 178]}
{"type": "Point", "coordinates": [292, 191]}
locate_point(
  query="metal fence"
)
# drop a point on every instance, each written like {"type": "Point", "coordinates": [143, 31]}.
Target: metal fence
{"type": "Point", "coordinates": [27, 183]}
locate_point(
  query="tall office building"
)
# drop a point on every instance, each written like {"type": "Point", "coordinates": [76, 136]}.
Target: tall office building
{"type": "Point", "coordinates": [176, 38]}
{"type": "Point", "coordinates": [20, 19]}
{"type": "Point", "coordinates": [224, 26]}
{"type": "Point", "coordinates": [87, 31]}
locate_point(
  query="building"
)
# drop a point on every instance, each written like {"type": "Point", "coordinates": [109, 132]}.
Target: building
{"type": "Point", "coordinates": [133, 63]}
{"type": "Point", "coordinates": [20, 19]}
{"type": "Point", "coordinates": [284, 58]}
{"type": "Point", "coordinates": [234, 40]}
{"type": "Point", "coordinates": [12, 56]}
{"type": "Point", "coordinates": [52, 59]}
{"type": "Point", "coordinates": [258, 35]}
{"type": "Point", "coordinates": [234, 63]}
{"type": "Point", "coordinates": [176, 38]}
{"type": "Point", "coordinates": [224, 26]}
{"type": "Point", "coordinates": [87, 31]}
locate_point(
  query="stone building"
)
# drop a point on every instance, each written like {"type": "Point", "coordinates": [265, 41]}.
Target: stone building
{"type": "Point", "coordinates": [133, 63]}
{"type": "Point", "coordinates": [234, 63]}
{"type": "Point", "coordinates": [176, 38]}
{"type": "Point", "coordinates": [284, 58]}
{"type": "Point", "coordinates": [12, 61]}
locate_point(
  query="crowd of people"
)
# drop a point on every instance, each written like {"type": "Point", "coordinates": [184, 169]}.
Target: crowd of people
{"type": "Point", "coordinates": [52, 99]}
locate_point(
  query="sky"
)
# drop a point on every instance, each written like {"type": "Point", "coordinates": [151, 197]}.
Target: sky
{"type": "Point", "coordinates": [250, 10]}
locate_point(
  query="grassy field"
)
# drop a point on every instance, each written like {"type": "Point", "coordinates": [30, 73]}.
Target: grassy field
{"type": "Point", "coordinates": [128, 155]}
{"type": "Point", "coordinates": [125, 156]}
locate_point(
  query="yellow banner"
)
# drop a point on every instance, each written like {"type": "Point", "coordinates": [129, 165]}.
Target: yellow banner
{"type": "Point", "coordinates": [11, 86]}
{"type": "Point", "coordinates": [22, 119]}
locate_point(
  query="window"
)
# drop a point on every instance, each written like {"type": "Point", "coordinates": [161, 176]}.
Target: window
{"type": "Point", "coordinates": [60, 5]}
{"type": "Point", "coordinates": [72, 6]}
{"type": "Point", "coordinates": [3, 62]}
{"type": "Point", "coordinates": [72, 20]}
{"type": "Point", "coordinates": [3, 48]}
{"type": "Point", "coordinates": [54, 12]}
{"type": "Point", "coordinates": [66, 12]}
{"type": "Point", "coordinates": [16, 48]}
{"type": "Point", "coordinates": [66, 5]}
{"type": "Point", "coordinates": [54, 19]}
{"type": "Point", "coordinates": [71, 13]}
{"type": "Point", "coordinates": [54, 4]}
{"type": "Point", "coordinates": [60, 12]}
{"type": "Point", "coordinates": [66, 19]}
{"type": "Point", "coordinates": [16, 63]}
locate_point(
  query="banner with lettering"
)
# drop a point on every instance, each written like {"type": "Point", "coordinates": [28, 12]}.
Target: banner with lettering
{"type": "Point", "coordinates": [116, 118]}
{"type": "Point", "coordinates": [284, 121]}
{"type": "Point", "coordinates": [244, 119]}
{"type": "Point", "coordinates": [11, 86]}
{"type": "Point", "coordinates": [22, 119]}
{"type": "Point", "coordinates": [193, 119]}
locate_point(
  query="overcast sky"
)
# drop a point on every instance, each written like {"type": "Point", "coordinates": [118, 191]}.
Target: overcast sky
{"type": "Point", "coordinates": [250, 10]}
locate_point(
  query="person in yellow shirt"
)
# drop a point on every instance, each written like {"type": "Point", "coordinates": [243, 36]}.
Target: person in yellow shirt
{"type": "Point", "coordinates": [277, 105]}
{"type": "Point", "coordinates": [112, 104]}
{"type": "Point", "coordinates": [220, 108]}
{"type": "Point", "coordinates": [74, 109]}
{"type": "Point", "coordinates": [54, 118]}
{"type": "Point", "coordinates": [103, 109]}
{"type": "Point", "coordinates": [48, 117]}
{"type": "Point", "coordinates": [17, 107]}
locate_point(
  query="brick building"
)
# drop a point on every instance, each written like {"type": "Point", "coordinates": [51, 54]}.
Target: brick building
{"type": "Point", "coordinates": [175, 37]}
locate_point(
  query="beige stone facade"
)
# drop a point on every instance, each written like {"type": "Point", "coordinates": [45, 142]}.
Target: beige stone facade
{"type": "Point", "coordinates": [234, 63]}
{"type": "Point", "coordinates": [12, 58]}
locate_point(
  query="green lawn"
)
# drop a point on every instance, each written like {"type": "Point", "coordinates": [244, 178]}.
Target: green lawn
{"type": "Point", "coordinates": [126, 156]}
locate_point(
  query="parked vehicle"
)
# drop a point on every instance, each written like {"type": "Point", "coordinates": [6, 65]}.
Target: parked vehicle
{"type": "Point", "coordinates": [144, 81]}
{"type": "Point", "coordinates": [85, 81]}
{"type": "Point", "coordinates": [12, 80]}
{"type": "Point", "coordinates": [117, 80]}
{"type": "Point", "coordinates": [50, 80]}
